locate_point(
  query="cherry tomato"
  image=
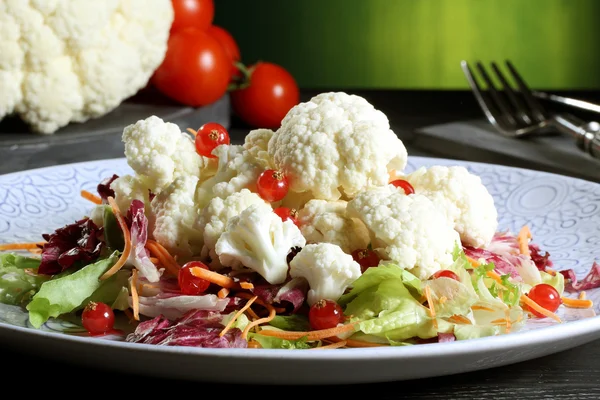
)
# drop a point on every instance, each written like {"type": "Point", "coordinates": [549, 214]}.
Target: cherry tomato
{"type": "Point", "coordinates": [272, 185]}
{"type": "Point", "coordinates": [209, 136]}
{"type": "Point", "coordinates": [192, 14]}
{"type": "Point", "coordinates": [545, 296]}
{"type": "Point", "coordinates": [97, 318]}
{"type": "Point", "coordinates": [190, 284]}
{"type": "Point", "coordinates": [446, 273]}
{"type": "Point", "coordinates": [325, 314]}
{"type": "Point", "coordinates": [195, 70]}
{"type": "Point", "coordinates": [272, 91]}
{"type": "Point", "coordinates": [405, 185]}
{"type": "Point", "coordinates": [287, 213]}
{"type": "Point", "coordinates": [366, 258]}
{"type": "Point", "coordinates": [229, 44]}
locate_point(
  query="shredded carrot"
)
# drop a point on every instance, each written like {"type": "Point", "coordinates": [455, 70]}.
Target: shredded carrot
{"type": "Point", "coordinates": [550, 271]}
{"type": "Point", "coordinates": [214, 277]}
{"type": "Point", "coordinates": [259, 321]}
{"type": "Point", "coordinates": [460, 319]}
{"type": "Point", "coordinates": [499, 321]}
{"type": "Point", "coordinates": [482, 308]}
{"type": "Point", "coordinates": [496, 277]}
{"type": "Point", "coordinates": [253, 344]}
{"type": "Point", "coordinates": [356, 343]}
{"type": "Point", "coordinates": [582, 295]}
{"type": "Point", "coordinates": [430, 305]}
{"type": "Point", "coordinates": [91, 197]}
{"type": "Point", "coordinates": [35, 251]}
{"type": "Point", "coordinates": [21, 246]}
{"type": "Point", "coordinates": [473, 262]}
{"type": "Point", "coordinates": [442, 299]}
{"type": "Point", "coordinates": [135, 299]}
{"type": "Point", "coordinates": [237, 315]}
{"type": "Point", "coordinates": [193, 132]}
{"type": "Point", "coordinates": [523, 239]}
{"type": "Point", "coordinates": [246, 285]}
{"type": "Point", "coordinates": [310, 335]}
{"type": "Point", "coordinates": [224, 292]}
{"type": "Point", "coordinates": [126, 235]}
{"type": "Point", "coordinates": [252, 314]}
{"type": "Point", "coordinates": [334, 345]}
{"type": "Point", "coordinates": [154, 260]}
{"type": "Point", "coordinates": [129, 315]}
{"type": "Point", "coordinates": [165, 259]}
{"type": "Point", "coordinates": [535, 306]}
{"type": "Point", "coordinates": [577, 303]}
{"type": "Point", "coordinates": [507, 319]}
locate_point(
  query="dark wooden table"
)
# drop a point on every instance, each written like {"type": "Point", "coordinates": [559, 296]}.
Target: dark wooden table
{"type": "Point", "coordinates": [574, 374]}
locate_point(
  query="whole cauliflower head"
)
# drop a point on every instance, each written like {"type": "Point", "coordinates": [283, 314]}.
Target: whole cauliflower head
{"type": "Point", "coordinates": [336, 145]}
{"type": "Point", "coordinates": [215, 216]}
{"type": "Point", "coordinates": [323, 221]}
{"type": "Point", "coordinates": [175, 213]}
{"type": "Point", "coordinates": [406, 229]}
{"type": "Point", "coordinates": [328, 270]}
{"type": "Point", "coordinates": [258, 239]}
{"type": "Point", "coordinates": [462, 197]}
{"type": "Point", "coordinates": [64, 60]}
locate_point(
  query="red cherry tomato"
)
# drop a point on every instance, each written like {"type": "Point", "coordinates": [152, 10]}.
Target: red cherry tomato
{"type": "Point", "coordinates": [229, 44]}
{"type": "Point", "coordinates": [195, 70]}
{"type": "Point", "coordinates": [446, 273]}
{"type": "Point", "coordinates": [287, 213]}
{"type": "Point", "coordinates": [405, 185]}
{"type": "Point", "coordinates": [272, 91]}
{"type": "Point", "coordinates": [325, 314]}
{"type": "Point", "coordinates": [192, 14]}
{"type": "Point", "coordinates": [190, 284]}
{"type": "Point", "coordinates": [97, 318]}
{"type": "Point", "coordinates": [545, 296]}
{"type": "Point", "coordinates": [272, 185]}
{"type": "Point", "coordinates": [366, 258]}
{"type": "Point", "coordinates": [209, 136]}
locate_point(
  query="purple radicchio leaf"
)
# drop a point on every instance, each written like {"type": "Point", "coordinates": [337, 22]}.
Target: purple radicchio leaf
{"type": "Point", "coordinates": [591, 281]}
{"type": "Point", "coordinates": [196, 328]}
{"type": "Point", "coordinates": [291, 293]}
{"type": "Point", "coordinates": [446, 337]}
{"type": "Point", "coordinates": [104, 189]}
{"type": "Point", "coordinates": [139, 256]}
{"type": "Point", "coordinates": [81, 242]}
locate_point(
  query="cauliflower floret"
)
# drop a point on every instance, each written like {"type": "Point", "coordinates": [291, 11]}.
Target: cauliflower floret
{"type": "Point", "coordinates": [217, 213]}
{"type": "Point", "coordinates": [63, 60]}
{"type": "Point", "coordinates": [462, 197]}
{"type": "Point", "coordinates": [237, 169]}
{"type": "Point", "coordinates": [128, 188]}
{"type": "Point", "coordinates": [160, 152]}
{"type": "Point", "coordinates": [409, 230]}
{"type": "Point", "coordinates": [327, 221]}
{"type": "Point", "coordinates": [336, 145]}
{"type": "Point", "coordinates": [258, 239]}
{"type": "Point", "coordinates": [256, 143]}
{"type": "Point", "coordinates": [175, 213]}
{"type": "Point", "coordinates": [328, 270]}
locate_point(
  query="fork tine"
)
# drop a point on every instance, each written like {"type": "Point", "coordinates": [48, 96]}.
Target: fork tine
{"type": "Point", "coordinates": [487, 108]}
{"type": "Point", "coordinates": [536, 108]}
{"type": "Point", "coordinates": [510, 93]}
{"type": "Point", "coordinates": [500, 103]}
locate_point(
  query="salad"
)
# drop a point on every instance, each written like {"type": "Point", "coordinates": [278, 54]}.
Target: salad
{"type": "Point", "coordinates": [308, 237]}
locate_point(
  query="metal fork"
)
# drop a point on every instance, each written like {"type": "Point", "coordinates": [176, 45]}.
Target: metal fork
{"type": "Point", "coordinates": [517, 113]}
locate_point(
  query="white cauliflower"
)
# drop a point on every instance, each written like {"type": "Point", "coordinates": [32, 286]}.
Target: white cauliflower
{"type": "Point", "coordinates": [328, 270]}
{"type": "Point", "coordinates": [214, 217]}
{"type": "Point", "coordinates": [64, 60]}
{"type": "Point", "coordinates": [237, 169]}
{"type": "Point", "coordinates": [336, 145]}
{"type": "Point", "coordinates": [175, 213]}
{"type": "Point", "coordinates": [407, 229]}
{"type": "Point", "coordinates": [462, 197]}
{"type": "Point", "coordinates": [258, 239]}
{"type": "Point", "coordinates": [128, 188]}
{"type": "Point", "coordinates": [327, 221]}
{"type": "Point", "coordinates": [256, 143]}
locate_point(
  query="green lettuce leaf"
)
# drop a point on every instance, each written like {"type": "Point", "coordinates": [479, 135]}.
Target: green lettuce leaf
{"type": "Point", "coordinates": [68, 293]}
{"type": "Point", "coordinates": [294, 322]}
{"type": "Point", "coordinates": [557, 281]}
{"type": "Point", "coordinates": [451, 297]}
{"type": "Point", "coordinates": [113, 235]}
{"type": "Point", "coordinates": [110, 290]}
{"type": "Point", "coordinates": [18, 281]}
{"type": "Point", "coordinates": [270, 342]}
{"type": "Point", "coordinates": [241, 322]}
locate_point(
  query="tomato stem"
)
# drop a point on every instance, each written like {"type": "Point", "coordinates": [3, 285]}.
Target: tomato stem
{"type": "Point", "coordinates": [244, 81]}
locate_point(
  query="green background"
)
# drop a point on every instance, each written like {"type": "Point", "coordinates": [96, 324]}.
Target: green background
{"type": "Point", "coordinates": [418, 44]}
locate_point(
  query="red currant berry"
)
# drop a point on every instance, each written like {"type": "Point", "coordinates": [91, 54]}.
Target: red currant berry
{"type": "Point", "coordinates": [272, 185]}
{"type": "Point", "coordinates": [209, 136]}
{"type": "Point", "coordinates": [325, 314]}
{"type": "Point", "coordinates": [445, 273]}
{"type": "Point", "coordinates": [189, 283]}
{"type": "Point", "coordinates": [287, 213]}
{"type": "Point", "coordinates": [97, 318]}
{"type": "Point", "coordinates": [366, 258]}
{"type": "Point", "coordinates": [405, 185]}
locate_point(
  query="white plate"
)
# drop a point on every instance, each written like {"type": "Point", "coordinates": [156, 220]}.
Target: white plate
{"type": "Point", "coordinates": [563, 214]}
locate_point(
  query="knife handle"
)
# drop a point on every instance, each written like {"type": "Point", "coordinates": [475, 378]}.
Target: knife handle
{"type": "Point", "coordinates": [586, 134]}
